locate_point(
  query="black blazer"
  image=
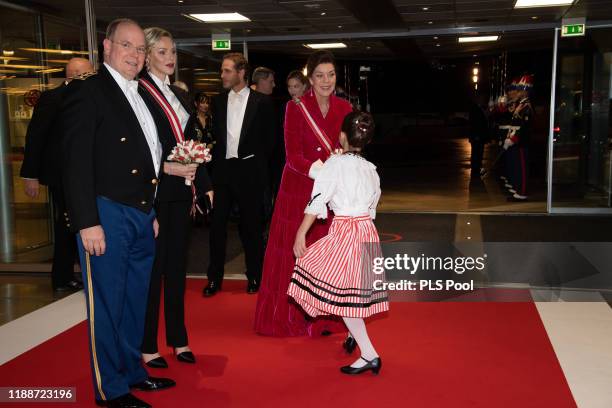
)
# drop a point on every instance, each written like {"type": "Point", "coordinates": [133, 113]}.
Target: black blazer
{"type": "Point", "coordinates": [42, 156]}
{"type": "Point", "coordinates": [173, 188]}
{"type": "Point", "coordinates": [256, 136]}
{"type": "Point", "coordinates": [105, 150]}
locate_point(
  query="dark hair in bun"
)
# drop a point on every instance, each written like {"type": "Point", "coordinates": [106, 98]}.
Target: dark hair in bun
{"type": "Point", "coordinates": [317, 58]}
{"type": "Point", "coordinates": [359, 128]}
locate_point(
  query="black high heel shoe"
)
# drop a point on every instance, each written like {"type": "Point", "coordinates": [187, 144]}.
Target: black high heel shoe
{"type": "Point", "coordinates": [373, 365]}
{"type": "Point", "coordinates": [349, 344]}
{"type": "Point", "coordinates": [157, 362]}
{"type": "Point", "coordinates": [186, 357]}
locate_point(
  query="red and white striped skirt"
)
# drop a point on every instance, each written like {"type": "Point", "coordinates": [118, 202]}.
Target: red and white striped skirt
{"type": "Point", "coordinates": [335, 275]}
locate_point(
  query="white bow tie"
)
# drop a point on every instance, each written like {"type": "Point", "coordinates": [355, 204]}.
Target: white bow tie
{"type": "Point", "coordinates": [132, 86]}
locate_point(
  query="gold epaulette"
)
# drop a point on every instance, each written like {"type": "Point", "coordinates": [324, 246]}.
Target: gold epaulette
{"type": "Point", "coordinates": [85, 75]}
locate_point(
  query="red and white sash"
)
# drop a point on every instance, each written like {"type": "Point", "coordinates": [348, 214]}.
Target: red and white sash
{"type": "Point", "coordinates": [319, 133]}
{"type": "Point", "coordinates": [175, 123]}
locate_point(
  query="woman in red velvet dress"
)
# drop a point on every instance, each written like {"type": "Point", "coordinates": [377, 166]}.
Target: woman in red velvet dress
{"type": "Point", "coordinates": [277, 314]}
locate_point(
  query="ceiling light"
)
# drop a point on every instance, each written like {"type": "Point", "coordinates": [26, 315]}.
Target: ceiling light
{"type": "Point", "coordinates": [339, 26]}
{"type": "Point", "coordinates": [425, 8]}
{"type": "Point", "coordinates": [55, 51]}
{"type": "Point", "coordinates": [220, 17]}
{"type": "Point", "coordinates": [542, 3]}
{"type": "Point", "coordinates": [481, 38]}
{"type": "Point", "coordinates": [430, 22]}
{"type": "Point", "coordinates": [437, 45]}
{"type": "Point", "coordinates": [8, 53]}
{"type": "Point", "coordinates": [24, 66]}
{"type": "Point", "coordinates": [323, 13]}
{"type": "Point", "coordinates": [49, 71]}
{"type": "Point", "coordinates": [57, 61]}
{"type": "Point", "coordinates": [180, 1]}
{"type": "Point", "coordinates": [435, 38]}
{"type": "Point", "coordinates": [534, 17]}
{"type": "Point", "coordinates": [475, 71]}
{"type": "Point", "coordinates": [322, 46]}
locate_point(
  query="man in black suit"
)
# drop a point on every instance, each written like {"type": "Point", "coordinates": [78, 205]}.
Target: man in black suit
{"type": "Point", "coordinates": [41, 165]}
{"type": "Point", "coordinates": [244, 128]}
{"type": "Point", "coordinates": [112, 162]}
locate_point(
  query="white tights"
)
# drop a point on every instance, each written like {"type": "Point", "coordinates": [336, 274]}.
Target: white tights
{"type": "Point", "coordinates": [359, 332]}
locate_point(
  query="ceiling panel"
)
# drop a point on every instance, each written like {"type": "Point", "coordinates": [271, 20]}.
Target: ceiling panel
{"type": "Point", "coordinates": [294, 17]}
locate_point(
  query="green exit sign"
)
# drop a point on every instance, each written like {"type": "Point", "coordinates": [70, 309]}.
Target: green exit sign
{"type": "Point", "coordinates": [573, 30]}
{"type": "Point", "coordinates": [221, 45]}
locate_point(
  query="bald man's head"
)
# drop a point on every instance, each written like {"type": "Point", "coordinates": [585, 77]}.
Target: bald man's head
{"type": "Point", "coordinates": [76, 67]}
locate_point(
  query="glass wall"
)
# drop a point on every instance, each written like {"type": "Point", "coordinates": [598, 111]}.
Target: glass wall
{"type": "Point", "coordinates": [582, 133]}
{"type": "Point", "coordinates": [34, 50]}
{"type": "Point", "coordinates": [35, 47]}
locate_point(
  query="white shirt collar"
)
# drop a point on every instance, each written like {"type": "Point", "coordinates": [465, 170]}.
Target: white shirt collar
{"type": "Point", "coordinates": [243, 92]}
{"type": "Point", "coordinates": [161, 84]}
{"type": "Point", "coordinates": [123, 83]}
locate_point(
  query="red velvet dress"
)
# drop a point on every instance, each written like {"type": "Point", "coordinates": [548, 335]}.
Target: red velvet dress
{"type": "Point", "coordinates": [277, 314]}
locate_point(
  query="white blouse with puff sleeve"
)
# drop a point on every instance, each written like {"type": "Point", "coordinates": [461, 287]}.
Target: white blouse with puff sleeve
{"type": "Point", "coordinates": [349, 184]}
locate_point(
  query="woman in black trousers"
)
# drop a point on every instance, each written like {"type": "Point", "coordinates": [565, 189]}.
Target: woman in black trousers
{"type": "Point", "coordinates": [173, 201]}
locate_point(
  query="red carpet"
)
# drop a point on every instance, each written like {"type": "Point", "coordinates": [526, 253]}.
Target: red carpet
{"type": "Point", "coordinates": [434, 355]}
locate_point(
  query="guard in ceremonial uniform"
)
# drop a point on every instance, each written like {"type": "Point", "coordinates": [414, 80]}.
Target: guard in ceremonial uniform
{"type": "Point", "coordinates": [113, 158]}
{"type": "Point", "coordinates": [517, 138]}
{"type": "Point", "coordinates": [42, 165]}
{"type": "Point", "coordinates": [502, 116]}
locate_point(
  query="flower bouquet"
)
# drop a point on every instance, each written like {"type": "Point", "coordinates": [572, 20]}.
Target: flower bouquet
{"type": "Point", "coordinates": [189, 152]}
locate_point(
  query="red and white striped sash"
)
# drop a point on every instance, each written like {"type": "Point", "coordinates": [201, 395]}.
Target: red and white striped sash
{"type": "Point", "coordinates": [319, 133]}
{"type": "Point", "coordinates": [175, 123]}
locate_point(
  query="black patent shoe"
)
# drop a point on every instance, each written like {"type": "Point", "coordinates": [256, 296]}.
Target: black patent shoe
{"type": "Point", "coordinates": [211, 289]}
{"type": "Point", "coordinates": [70, 286]}
{"type": "Point", "coordinates": [252, 287]}
{"type": "Point", "coordinates": [125, 401]}
{"type": "Point", "coordinates": [157, 362]}
{"type": "Point", "coordinates": [154, 384]}
{"type": "Point", "coordinates": [349, 345]}
{"type": "Point", "coordinates": [373, 365]}
{"type": "Point", "coordinates": [186, 357]}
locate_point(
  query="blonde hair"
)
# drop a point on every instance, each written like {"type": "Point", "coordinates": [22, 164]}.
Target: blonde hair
{"type": "Point", "coordinates": [153, 35]}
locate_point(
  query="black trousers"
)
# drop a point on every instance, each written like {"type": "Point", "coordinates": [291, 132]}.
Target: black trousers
{"type": "Point", "coordinates": [242, 185]}
{"type": "Point", "coordinates": [170, 266]}
{"type": "Point", "coordinates": [476, 156]}
{"type": "Point", "coordinates": [518, 163]}
{"type": "Point", "coordinates": [65, 246]}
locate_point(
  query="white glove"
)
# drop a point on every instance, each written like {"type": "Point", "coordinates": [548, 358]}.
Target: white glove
{"type": "Point", "coordinates": [507, 143]}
